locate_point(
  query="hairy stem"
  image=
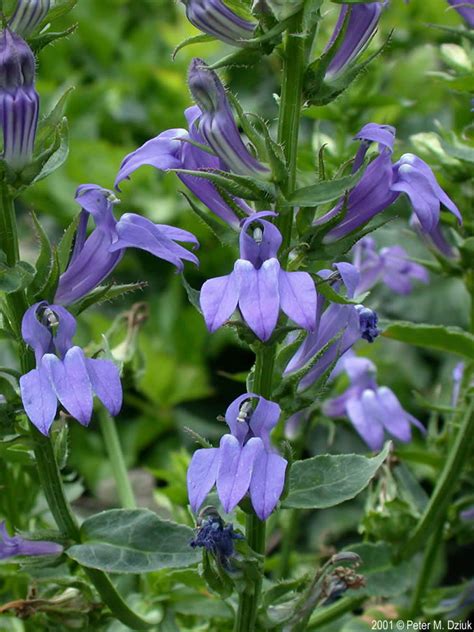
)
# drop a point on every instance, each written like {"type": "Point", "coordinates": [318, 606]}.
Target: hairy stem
{"type": "Point", "coordinates": [117, 462]}
{"type": "Point", "coordinates": [46, 463]}
{"type": "Point", "coordinates": [288, 132]}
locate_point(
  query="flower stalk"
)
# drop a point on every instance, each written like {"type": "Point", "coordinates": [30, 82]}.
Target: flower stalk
{"type": "Point", "coordinates": [288, 133]}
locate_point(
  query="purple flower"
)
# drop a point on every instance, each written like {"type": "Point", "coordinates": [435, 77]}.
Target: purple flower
{"type": "Point", "coordinates": [216, 123]}
{"type": "Point", "coordinates": [390, 265]}
{"type": "Point", "coordinates": [258, 286]}
{"type": "Point", "coordinates": [96, 256]}
{"type": "Point", "coordinates": [10, 546]}
{"type": "Point", "coordinates": [172, 150]}
{"type": "Point", "coordinates": [62, 371]}
{"type": "Point", "coordinates": [342, 324]}
{"type": "Point", "coordinates": [244, 461]}
{"type": "Point", "coordinates": [383, 182]}
{"type": "Point", "coordinates": [28, 15]}
{"type": "Point", "coordinates": [465, 8]}
{"type": "Point", "coordinates": [363, 21]}
{"type": "Point", "coordinates": [19, 101]}
{"type": "Point", "coordinates": [434, 239]}
{"type": "Point", "coordinates": [217, 19]}
{"type": "Point", "coordinates": [371, 409]}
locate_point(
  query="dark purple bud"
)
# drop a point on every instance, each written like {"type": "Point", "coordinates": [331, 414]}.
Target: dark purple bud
{"type": "Point", "coordinates": [19, 101]}
{"type": "Point", "coordinates": [215, 536]}
{"type": "Point", "coordinates": [217, 19]}
{"type": "Point", "coordinates": [28, 15]}
{"type": "Point", "coordinates": [465, 8]}
{"type": "Point", "coordinates": [362, 23]}
{"type": "Point", "coordinates": [216, 123]}
{"type": "Point", "coordinates": [368, 320]}
{"type": "Point", "coordinates": [10, 546]}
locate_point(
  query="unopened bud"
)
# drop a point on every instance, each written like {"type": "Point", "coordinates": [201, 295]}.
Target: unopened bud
{"type": "Point", "coordinates": [28, 16]}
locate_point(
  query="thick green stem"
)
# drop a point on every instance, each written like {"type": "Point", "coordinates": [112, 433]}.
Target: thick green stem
{"type": "Point", "coordinates": [445, 487]}
{"type": "Point", "coordinates": [429, 559]}
{"type": "Point", "coordinates": [119, 469]}
{"type": "Point", "coordinates": [46, 463]}
{"type": "Point", "coordinates": [333, 612]}
{"type": "Point", "coordinates": [288, 132]}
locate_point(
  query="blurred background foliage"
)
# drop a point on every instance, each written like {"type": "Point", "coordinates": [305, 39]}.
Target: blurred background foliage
{"type": "Point", "coordinates": [127, 90]}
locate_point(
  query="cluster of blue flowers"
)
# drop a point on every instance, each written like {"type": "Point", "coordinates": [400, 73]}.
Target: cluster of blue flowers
{"type": "Point", "coordinates": [258, 287]}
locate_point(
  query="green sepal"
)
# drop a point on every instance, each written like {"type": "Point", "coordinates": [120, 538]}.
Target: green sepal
{"type": "Point", "coordinates": [216, 577]}
{"type": "Point", "coordinates": [44, 262]}
{"type": "Point", "coordinates": [221, 231]}
{"type": "Point", "coordinates": [241, 186]}
{"type": "Point", "coordinates": [64, 246]}
{"type": "Point", "coordinates": [39, 42]}
{"type": "Point", "coordinates": [192, 294]}
{"type": "Point", "coordinates": [326, 191]}
{"type": "Point", "coordinates": [326, 289]}
{"type": "Point", "coordinates": [104, 293]}
{"type": "Point", "coordinates": [189, 41]}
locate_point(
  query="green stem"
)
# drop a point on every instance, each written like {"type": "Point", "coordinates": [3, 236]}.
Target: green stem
{"type": "Point", "coordinates": [333, 612]}
{"type": "Point", "coordinates": [119, 469]}
{"type": "Point", "coordinates": [444, 489]}
{"type": "Point", "coordinates": [288, 132]}
{"type": "Point", "coordinates": [429, 559]}
{"type": "Point", "coordinates": [46, 463]}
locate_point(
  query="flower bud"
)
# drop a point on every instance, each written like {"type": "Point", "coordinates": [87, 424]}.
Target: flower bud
{"type": "Point", "coordinates": [368, 320]}
{"type": "Point", "coordinates": [19, 101]}
{"type": "Point", "coordinates": [217, 19]}
{"type": "Point", "coordinates": [216, 123]}
{"type": "Point", "coordinates": [28, 15]}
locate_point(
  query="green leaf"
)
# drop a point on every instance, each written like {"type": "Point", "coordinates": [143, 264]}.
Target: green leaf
{"type": "Point", "coordinates": [383, 577]}
{"type": "Point", "coordinates": [50, 122]}
{"type": "Point", "coordinates": [133, 541]}
{"type": "Point", "coordinates": [461, 152]}
{"type": "Point", "coordinates": [328, 480]}
{"type": "Point", "coordinates": [240, 186]}
{"type": "Point", "coordinates": [324, 192]}
{"type": "Point", "coordinates": [436, 337]}
{"type": "Point", "coordinates": [189, 41]}
{"type": "Point", "coordinates": [330, 293]}
{"type": "Point", "coordinates": [44, 261]}
{"type": "Point", "coordinates": [58, 153]}
{"type": "Point", "coordinates": [14, 278]}
{"type": "Point", "coordinates": [104, 293]}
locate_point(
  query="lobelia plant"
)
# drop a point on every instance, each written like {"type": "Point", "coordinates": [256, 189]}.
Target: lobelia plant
{"type": "Point", "coordinates": [295, 295]}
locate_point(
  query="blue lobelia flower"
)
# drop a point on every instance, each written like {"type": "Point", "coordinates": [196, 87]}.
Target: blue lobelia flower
{"type": "Point", "coordinates": [217, 124]}
{"type": "Point", "coordinates": [371, 409]}
{"type": "Point", "coordinates": [258, 286]}
{"type": "Point", "coordinates": [465, 8]}
{"type": "Point", "coordinates": [10, 546]}
{"type": "Point", "coordinates": [383, 182]}
{"type": "Point", "coordinates": [62, 370]}
{"type": "Point", "coordinates": [19, 101]}
{"type": "Point", "coordinates": [216, 18]}
{"type": "Point", "coordinates": [363, 21]}
{"type": "Point", "coordinates": [95, 257]}
{"type": "Point", "coordinates": [342, 324]}
{"type": "Point", "coordinates": [28, 15]}
{"type": "Point", "coordinates": [244, 461]}
{"type": "Point", "coordinates": [390, 265]}
{"type": "Point", "coordinates": [172, 150]}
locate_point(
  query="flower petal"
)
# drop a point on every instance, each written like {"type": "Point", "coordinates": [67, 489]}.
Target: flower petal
{"type": "Point", "coordinates": [135, 231]}
{"type": "Point", "coordinates": [259, 298]}
{"type": "Point", "coordinates": [236, 465]}
{"type": "Point", "coordinates": [366, 419]}
{"type": "Point", "coordinates": [202, 474]}
{"type": "Point", "coordinates": [218, 300]}
{"type": "Point", "coordinates": [105, 380]}
{"type": "Point", "coordinates": [393, 417]}
{"type": "Point", "coordinates": [298, 298]}
{"type": "Point", "coordinates": [268, 480]}
{"type": "Point", "coordinates": [39, 399]}
{"type": "Point", "coordinates": [264, 418]}
{"type": "Point", "coordinates": [71, 383]}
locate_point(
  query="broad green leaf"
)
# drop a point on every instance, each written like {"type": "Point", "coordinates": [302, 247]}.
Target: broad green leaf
{"type": "Point", "coordinates": [328, 480]}
{"type": "Point", "coordinates": [324, 192]}
{"type": "Point", "coordinates": [382, 576]}
{"type": "Point", "coordinates": [14, 278]}
{"type": "Point", "coordinates": [133, 541]}
{"type": "Point", "coordinates": [436, 337]}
